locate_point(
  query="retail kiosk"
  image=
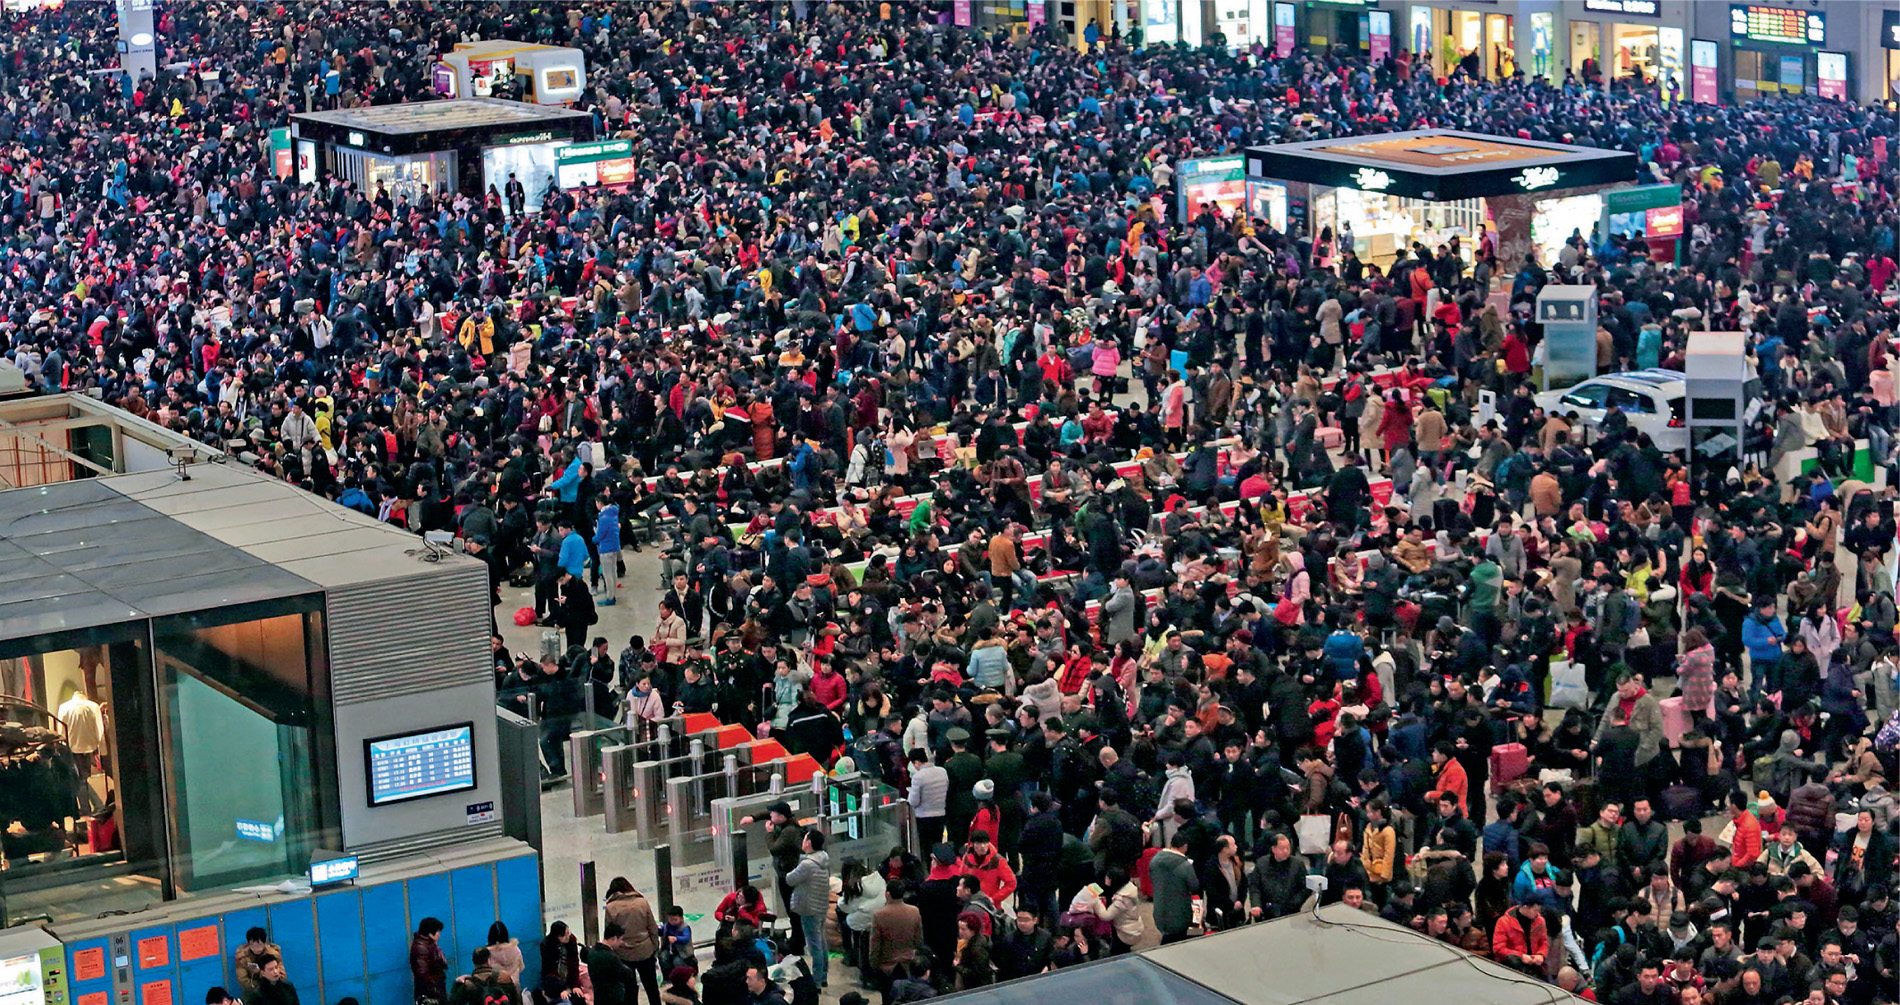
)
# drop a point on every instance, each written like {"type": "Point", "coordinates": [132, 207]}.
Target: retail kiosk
{"type": "Point", "coordinates": [417, 149]}
{"type": "Point", "coordinates": [549, 74]}
{"type": "Point", "coordinates": [1429, 186]}
{"type": "Point", "coordinates": [226, 703]}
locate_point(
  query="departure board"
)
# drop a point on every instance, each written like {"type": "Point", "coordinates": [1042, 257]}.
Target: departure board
{"type": "Point", "coordinates": [1778, 25]}
{"type": "Point", "coordinates": [414, 765]}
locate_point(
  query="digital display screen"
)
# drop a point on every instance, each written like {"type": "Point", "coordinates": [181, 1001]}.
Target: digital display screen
{"type": "Point", "coordinates": [21, 981]}
{"type": "Point", "coordinates": [415, 765]}
{"type": "Point", "coordinates": [1779, 25]}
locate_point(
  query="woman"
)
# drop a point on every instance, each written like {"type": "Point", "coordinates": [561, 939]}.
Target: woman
{"type": "Point", "coordinates": [973, 967]}
{"type": "Point", "coordinates": [682, 987]}
{"type": "Point", "coordinates": [1494, 889]}
{"type": "Point", "coordinates": [504, 954]}
{"type": "Point", "coordinates": [745, 904]}
{"type": "Point", "coordinates": [577, 609]}
{"type": "Point", "coordinates": [1863, 857]}
{"type": "Point", "coordinates": [560, 962]}
{"type": "Point", "coordinates": [427, 964]}
{"type": "Point", "coordinates": [1121, 909]}
{"type": "Point", "coordinates": [860, 899]}
{"type": "Point", "coordinates": [1695, 673]}
{"type": "Point", "coordinates": [641, 949]}
{"type": "Point", "coordinates": [1372, 429]}
{"type": "Point", "coordinates": [1698, 576]}
{"type": "Point", "coordinates": [1821, 633]}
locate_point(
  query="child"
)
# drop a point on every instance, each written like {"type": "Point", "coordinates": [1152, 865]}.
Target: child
{"type": "Point", "coordinates": [676, 942]}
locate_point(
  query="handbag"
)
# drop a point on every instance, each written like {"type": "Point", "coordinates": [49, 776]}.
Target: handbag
{"type": "Point", "coordinates": [1567, 689]}
{"type": "Point", "coordinates": [1315, 831]}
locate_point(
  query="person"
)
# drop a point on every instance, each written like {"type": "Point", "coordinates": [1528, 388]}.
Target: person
{"type": "Point", "coordinates": [761, 989]}
{"type": "Point", "coordinates": [615, 983]}
{"type": "Point", "coordinates": [1117, 900]}
{"type": "Point", "coordinates": [1175, 883]}
{"type": "Point", "coordinates": [483, 984]}
{"type": "Point", "coordinates": [560, 962]}
{"type": "Point", "coordinates": [273, 984]}
{"type": "Point", "coordinates": [1521, 940]}
{"type": "Point", "coordinates": [1025, 949]}
{"type": "Point", "coordinates": [896, 937]}
{"type": "Point", "coordinates": [810, 881]}
{"type": "Point", "coordinates": [973, 967]}
{"type": "Point", "coordinates": [860, 897]}
{"type": "Point", "coordinates": [682, 987]}
{"type": "Point", "coordinates": [639, 945]}
{"type": "Point", "coordinates": [504, 954]}
{"type": "Point", "coordinates": [244, 959]}
{"type": "Point", "coordinates": [427, 965]}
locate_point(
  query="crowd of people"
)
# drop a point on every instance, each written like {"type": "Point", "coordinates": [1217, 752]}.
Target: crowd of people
{"type": "Point", "coordinates": [1163, 562]}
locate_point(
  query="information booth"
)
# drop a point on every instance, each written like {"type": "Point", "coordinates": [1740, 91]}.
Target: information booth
{"type": "Point", "coordinates": [1430, 186]}
{"type": "Point", "coordinates": [226, 703]}
{"type": "Point", "coordinates": [416, 150]}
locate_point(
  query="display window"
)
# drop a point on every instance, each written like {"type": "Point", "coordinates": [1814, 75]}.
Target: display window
{"type": "Point", "coordinates": [1586, 53]}
{"type": "Point", "coordinates": [1381, 226]}
{"type": "Point", "coordinates": [152, 760]}
{"type": "Point", "coordinates": [1636, 51]}
{"type": "Point", "coordinates": [1556, 221]}
{"type": "Point", "coordinates": [1890, 81]}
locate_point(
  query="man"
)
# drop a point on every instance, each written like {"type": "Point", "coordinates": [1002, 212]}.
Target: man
{"type": "Point", "coordinates": [1175, 884]}
{"type": "Point", "coordinates": [783, 838]}
{"type": "Point", "coordinates": [1451, 779]}
{"type": "Point", "coordinates": [929, 789]}
{"type": "Point", "coordinates": [1520, 940]}
{"type": "Point", "coordinates": [1648, 989]}
{"type": "Point", "coordinates": [897, 935]}
{"type": "Point", "coordinates": [1278, 884]}
{"type": "Point", "coordinates": [1025, 949]}
{"type": "Point", "coordinates": [1642, 842]}
{"type": "Point", "coordinates": [484, 985]}
{"type": "Point", "coordinates": [1745, 846]}
{"type": "Point", "coordinates": [760, 990]}
{"type": "Point", "coordinates": [810, 881]}
{"type": "Point", "coordinates": [273, 987]}
{"type": "Point", "coordinates": [1343, 871]}
{"type": "Point", "coordinates": [246, 959]}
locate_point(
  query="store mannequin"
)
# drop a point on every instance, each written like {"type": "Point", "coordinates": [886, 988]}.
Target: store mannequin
{"type": "Point", "coordinates": [85, 729]}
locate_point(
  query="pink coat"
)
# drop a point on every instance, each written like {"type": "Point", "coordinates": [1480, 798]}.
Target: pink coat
{"type": "Point", "coordinates": [1107, 359]}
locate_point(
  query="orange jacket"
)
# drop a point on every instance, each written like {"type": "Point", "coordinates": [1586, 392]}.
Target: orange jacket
{"type": "Point", "coordinates": [1451, 778]}
{"type": "Point", "coordinates": [1747, 841]}
{"type": "Point", "coordinates": [1509, 940]}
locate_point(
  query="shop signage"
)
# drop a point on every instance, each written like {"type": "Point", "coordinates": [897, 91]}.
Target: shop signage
{"type": "Point", "coordinates": [255, 830]}
{"type": "Point", "coordinates": [1534, 178]}
{"type": "Point", "coordinates": [1651, 211]}
{"type": "Point", "coordinates": [1634, 8]}
{"type": "Point", "coordinates": [1372, 179]}
{"type": "Point", "coordinates": [1890, 29]}
{"type": "Point", "coordinates": [587, 153]}
{"type": "Point", "coordinates": [540, 137]}
{"type": "Point", "coordinates": [1777, 25]}
{"type": "Point", "coordinates": [1221, 181]}
{"type": "Point", "coordinates": [355, 138]}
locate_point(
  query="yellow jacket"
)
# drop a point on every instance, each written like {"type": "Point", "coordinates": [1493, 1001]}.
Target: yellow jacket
{"type": "Point", "coordinates": [477, 326]}
{"type": "Point", "coordinates": [1381, 850]}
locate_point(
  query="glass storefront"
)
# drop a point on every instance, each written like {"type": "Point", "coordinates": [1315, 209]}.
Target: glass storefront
{"type": "Point", "coordinates": [414, 178]}
{"type": "Point", "coordinates": [533, 164]}
{"type": "Point", "coordinates": [1586, 53]}
{"type": "Point", "coordinates": [1635, 51]}
{"type": "Point", "coordinates": [1381, 226]}
{"type": "Point", "coordinates": [153, 760]}
{"type": "Point", "coordinates": [1481, 44]}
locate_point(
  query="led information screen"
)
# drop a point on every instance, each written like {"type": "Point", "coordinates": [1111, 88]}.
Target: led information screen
{"type": "Point", "coordinates": [414, 765]}
{"type": "Point", "coordinates": [1779, 25]}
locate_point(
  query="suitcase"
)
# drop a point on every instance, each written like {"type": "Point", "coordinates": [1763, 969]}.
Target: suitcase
{"type": "Point", "coordinates": [1675, 720]}
{"type": "Point", "coordinates": [1509, 762]}
{"type": "Point", "coordinates": [1332, 438]}
{"type": "Point", "coordinates": [1681, 802]}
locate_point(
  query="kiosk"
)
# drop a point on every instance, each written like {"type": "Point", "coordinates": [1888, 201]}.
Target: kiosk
{"type": "Point", "coordinates": [1724, 398]}
{"type": "Point", "coordinates": [226, 703]}
{"type": "Point", "coordinates": [415, 150]}
{"type": "Point", "coordinates": [1430, 186]}
{"type": "Point", "coordinates": [545, 74]}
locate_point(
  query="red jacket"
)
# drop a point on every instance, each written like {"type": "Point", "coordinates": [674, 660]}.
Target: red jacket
{"type": "Point", "coordinates": [995, 875]}
{"type": "Point", "coordinates": [1509, 941]}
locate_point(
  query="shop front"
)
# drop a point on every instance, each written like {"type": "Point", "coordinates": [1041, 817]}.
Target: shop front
{"type": "Point", "coordinates": [1890, 55]}
{"type": "Point", "coordinates": [1380, 195]}
{"type": "Point", "coordinates": [529, 71]}
{"type": "Point", "coordinates": [1634, 40]}
{"type": "Point", "coordinates": [1481, 42]}
{"type": "Point", "coordinates": [414, 151]}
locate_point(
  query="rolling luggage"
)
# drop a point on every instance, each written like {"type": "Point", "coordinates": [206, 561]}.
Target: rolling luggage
{"type": "Point", "coordinates": [1675, 720]}
{"type": "Point", "coordinates": [1509, 762]}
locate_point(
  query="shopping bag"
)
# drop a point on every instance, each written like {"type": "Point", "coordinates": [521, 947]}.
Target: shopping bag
{"type": "Point", "coordinates": [1567, 689]}
{"type": "Point", "coordinates": [1316, 833]}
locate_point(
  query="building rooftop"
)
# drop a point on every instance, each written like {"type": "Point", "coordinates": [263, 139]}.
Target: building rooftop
{"type": "Point", "coordinates": [436, 116]}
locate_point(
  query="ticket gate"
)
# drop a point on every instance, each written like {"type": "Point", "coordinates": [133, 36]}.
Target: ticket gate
{"type": "Point", "coordinates": [631, 805]}
{"type": "Point", "coordinates": [666, 738]}
{"type": "Point", "coordinates": [861, 817]}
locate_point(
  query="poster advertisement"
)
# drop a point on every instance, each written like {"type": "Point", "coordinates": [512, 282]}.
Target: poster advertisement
{"type": "Point", "coordinates": [1219, 180]}
{"type": "Point", "coordinates": [1669, 44]}
{"type": "Point", "coordinates": [960, 13]}
{"type": "Point", "coordinates": [1282, 30]}
{"type": "Point", "coordinates": [280, 156]}
{"type": "Point", "coordinates": [1036, 12]}
{"type": "Point", "coordinates": [1831, 75]}
{"type": "Point", "coordinates": [1702, 58]}
{"type": "Point", "coordinates": [1379, 34]}
{"type": "Point", "coordinates": [1793, 74]}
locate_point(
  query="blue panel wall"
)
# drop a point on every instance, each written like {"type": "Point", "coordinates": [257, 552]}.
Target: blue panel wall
{"type": "Point", "coordinates": [474, 890]}
{"type": "Point", "coordinates": [518, 884]}
{"type": "Point", "coordinates": [348, 943]}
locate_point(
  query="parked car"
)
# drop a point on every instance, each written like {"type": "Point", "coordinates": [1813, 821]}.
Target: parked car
{"type": "Point", "coordinates": [1651, 399]}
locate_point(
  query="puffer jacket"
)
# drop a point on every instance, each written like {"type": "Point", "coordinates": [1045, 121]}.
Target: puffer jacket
{"type": "Point", "coordinates": [811, 883]}
{"type": "Point", "coordinates": [1811, 812]}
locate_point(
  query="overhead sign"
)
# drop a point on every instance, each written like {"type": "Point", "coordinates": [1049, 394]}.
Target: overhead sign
{"type": "Point", "coordinates": [1890, 29]}
{"type": "Point", "coordinates": [1635, 8]}
{"type": "Point", "coordinates": [1650, 211]}
{"type": "Point", "coordinates": [1777, 25]}
{"type": "Point", "coordinates": [1533, 178]}
{"type": "Point", "coordinates": [334, 870]}
{"type": "Point", "coordinates": [587, 153]}
{"type": "Point", "coordinates": [540, 137]}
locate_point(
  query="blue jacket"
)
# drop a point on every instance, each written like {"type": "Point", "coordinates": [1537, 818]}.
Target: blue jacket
{"type": "Point", "coordinates": [1343, 649]}
{"type": "Point", "coordinates": [1525, 886]}
{"type": "Point", "coordinates": [1763, 638]}
{"type": "Point", "coordinates": [607, 530]}
{"type": "Point", "coordinates": [574, 555]}
{"type": "Point", "coordinates": [1501, 836]}
{"type": "Point", "coordinates": [568, 486]}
